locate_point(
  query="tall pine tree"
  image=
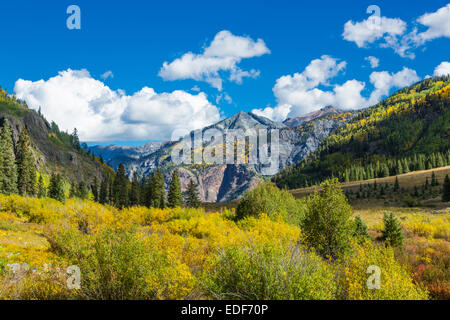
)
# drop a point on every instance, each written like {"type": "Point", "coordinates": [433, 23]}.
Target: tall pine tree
{"type": "Point", "coordinates": [157, 190]}
{"type": "Point", "coordinates": [143, 191]}
{"type": "Point", "coordinates": [8, 169]}
{"type": "Point", "coordinates": [103, 195]}
{"type": "Point", "coordinates": [120, 187]}
{"type": "Point", "coordinates": [175, 198]}
{"type": "Point", "coordinates": [134, 191]}
{"type": "Point", "coordinates": [42, 190]}
{"type": "Point", "coordinates": [192, 199]}
{"type": "Point", "coordinates": [25, 166]}
{"type": "Point", "coordinates": [56, 188]}
{"type": "Point", "coordinates": [95, 189]}
{"type": "Point", "coordinates": [83, 191]}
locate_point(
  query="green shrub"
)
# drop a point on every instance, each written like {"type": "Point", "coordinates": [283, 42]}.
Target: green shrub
{"type": "Point", "coordinates": [360, 230]}
{"type": "Point", "coordinates": [326, 226]}
{"type": "Point", "coordinates": [267, 198]}
{"type": "Point", "coordinates": [119, 264]}
{"type": "Point", "coordinates": [392, 233]}
{"type": "Point", "coordinates": [265, 272]}
{"type": "Point", "coordinates": [395, 282]}
{"type": "Point", "coordinates": [410, 201]}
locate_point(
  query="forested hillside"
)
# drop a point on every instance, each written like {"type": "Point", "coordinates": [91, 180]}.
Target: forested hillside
{"type": "Point", "coordinates": [408, 131]}
{"type": "Point", "coordinates": [52, 150]}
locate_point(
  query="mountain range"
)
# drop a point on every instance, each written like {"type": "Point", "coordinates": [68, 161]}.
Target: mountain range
{"type": "Point", "coordinates": [224, 182]}
{"type": "Point", "coordinates": [325, 143]}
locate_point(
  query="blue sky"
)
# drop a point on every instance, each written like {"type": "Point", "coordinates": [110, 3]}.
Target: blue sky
{"type": "Point", "coordinates": [132, 40]}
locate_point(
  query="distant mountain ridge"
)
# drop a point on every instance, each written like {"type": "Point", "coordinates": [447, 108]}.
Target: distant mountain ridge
{"type": "Point", "coordinates": [114, 154]}
{"type": "Point", "coordinates": [297, 121]}
{"type": "Point", "coordinates": [224, 182]}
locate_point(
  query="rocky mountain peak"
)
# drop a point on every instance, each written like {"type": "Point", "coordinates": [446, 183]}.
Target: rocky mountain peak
{"type": "Point", "coordinates": [325, 111]}
{"type": "Point", "coordinates": [244, 121]}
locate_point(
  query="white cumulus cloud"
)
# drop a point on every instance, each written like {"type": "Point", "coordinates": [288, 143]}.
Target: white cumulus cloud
{"type": "Point", "coordinates": [74, 99]}
{"type": "Point", "coordinates": [223, 54]}
{"type": "Point", "coordinates": [392, 33]}
{"type": "Point", "coordinates": [300, 93]}
{"type": "Point", "coordinates": [442, 69]}
{"type": "Point", "coordinates": [438, 24]}
{"type": "Point", "coordinates": [372, 29]}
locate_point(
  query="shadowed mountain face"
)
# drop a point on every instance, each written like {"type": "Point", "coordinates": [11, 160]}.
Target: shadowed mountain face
{"type": "Point", "coordinates": [225, 182]}
{"type": "Point", "coordinates": [114, 155]}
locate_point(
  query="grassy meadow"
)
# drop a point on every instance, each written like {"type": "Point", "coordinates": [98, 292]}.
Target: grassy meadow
{"type": "Point", "coordinates": [182, 253]}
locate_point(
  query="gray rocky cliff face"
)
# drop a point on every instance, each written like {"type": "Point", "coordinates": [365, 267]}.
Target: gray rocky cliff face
{"type": "Point", "coordinates": [225, 182]}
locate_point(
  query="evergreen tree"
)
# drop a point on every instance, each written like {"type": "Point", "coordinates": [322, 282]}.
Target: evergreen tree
{"type": "Point", "coordinates": [148, 191]}
{"type": "Point", "coordinates": [157, 190]}
{"type": "Point", "coordinates": [134, 191]}
{"type": "Point", "coordinates": [416, 192]}
{"type": "Point", "coordinates": [42, 190]}
{"type": "Point", "coordinates": [360, 229]}
{"type": "Point", "coordinates": [396, 184]}
{"type": "Point", "coordinates": [75, 140]}
{"type": "Point", "coordinates": [439, 161]}
{"type": "Point", "coordinates": [392, 233]}
{"type": "Point", "coordinates": [384, 171]}
{"type": "Point", "coordinates": [405, 165]}
{"type": "Point", "coordinates": [120, 187]}
{"type": "Point", "coordinates": [95, 189]}
{"type": "Point", "coordinates": [434, 181]}
{"type": "Point", "coordinates": [8, 169]}
{"type": "Point", "coordinates": [326, 225]}
{"type": "Point", "coordinates": [103, 195]}
{"type": "Point", "coordinates": [83, 192]}
{"type": "Point", "coordinates": [162, 201]}
{"type": "Point", "coordinates": [56, 188]}
{"type": "Point", "coordinates": [143, 191]}
{"type": "Point", "coordinates": [382, 192]}
{"type": "Point", "coordinates": [175, 198]}
{"type": "Point", "coordinates": [399, 169]}
{"type": "Point", "coordinates": [25, 166]}
{"type": "Point", "coordinates": [110, 192]}
{"type": "Point", "coordinates": [73, 191]}
{"type": "Point", "coordinates": [192, 199]}
{"type": "Point", "coordinates": [446, 189]}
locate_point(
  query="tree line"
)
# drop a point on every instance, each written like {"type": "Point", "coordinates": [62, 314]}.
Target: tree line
{"type": "Point", "coordinates": [392, 167]}
{"type": "Point", "coordinates": [17, 169]}
{"type": "Point", "coordinates": [148, 191]}
{"type": "Point", "coordinates": [406, 127]}
{"type": "Point", "coordinates": [19, 175]}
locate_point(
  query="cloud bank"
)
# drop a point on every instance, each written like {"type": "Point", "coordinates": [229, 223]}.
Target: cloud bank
{"type": "Point", "coordinates": [74, 99]}
{"type": "Point", "coordinates": [300, 93]}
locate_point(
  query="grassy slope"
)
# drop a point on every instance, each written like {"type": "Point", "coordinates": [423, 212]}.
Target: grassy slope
{"type": "Point", "coordinates": [406, 180]}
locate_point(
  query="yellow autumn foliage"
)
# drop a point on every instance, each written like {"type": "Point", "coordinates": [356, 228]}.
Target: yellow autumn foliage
{"type": "Point", "coordinates": [150, 253]}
